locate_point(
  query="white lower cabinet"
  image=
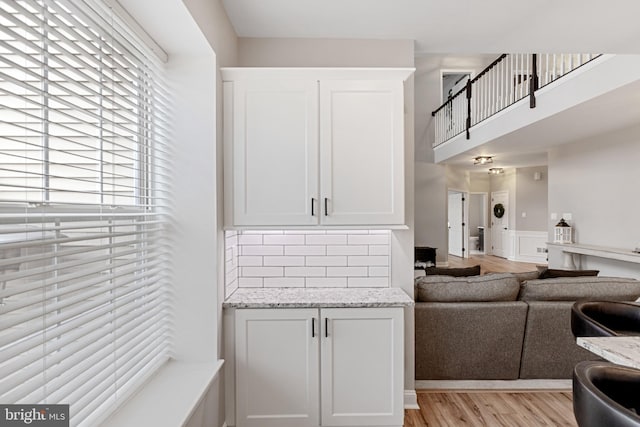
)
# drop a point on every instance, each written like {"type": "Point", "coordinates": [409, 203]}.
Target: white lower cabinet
{"type": "Point", "coordinates": [319, 367]}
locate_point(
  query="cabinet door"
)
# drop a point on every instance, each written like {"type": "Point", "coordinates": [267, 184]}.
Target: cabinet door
{"type": "Point", "coordinates": [275, 152]}
{"type": "Point", "coordinates": [362, 152]}
{"type": "Point", "coordinates": [362, 367]}
{"type": "Point", "coordinates": [277, 371]}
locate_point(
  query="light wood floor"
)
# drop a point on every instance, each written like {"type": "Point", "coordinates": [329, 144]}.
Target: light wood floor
{"type": "Point", "coordinates": [494, 409]}
{"type": "Point", "coordinates": [491, 263]}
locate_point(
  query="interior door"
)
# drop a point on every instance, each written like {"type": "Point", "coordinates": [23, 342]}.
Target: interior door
{"type": "Point", "coordinates": [456, 221]}
{"type": "Point", "coordinates": [500, 223]}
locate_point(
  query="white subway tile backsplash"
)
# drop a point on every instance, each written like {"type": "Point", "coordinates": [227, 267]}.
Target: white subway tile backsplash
{"type": "Point", "coordinates": [249, 261]}
{"type": "Point", "coordinates": [261, 271]}
{"type": "Point", "coordinates": [285, 239]}
{"type": "Point", "coordinates": [326, 282]}
{"type": "Point", "coordinates": [368, 239]}
{"type": "Point", "coordinates": [348, 250]}
{"type": "Point", "coordinates": [311, 258]}
{"type": "Point", "coordinates": [368, 260]}
{"type": "Point", "coordinates": [284, 261]}
{"type": "Point", "coordinates": [305, 250]}
{"type": "Point", "coordinates": [378, 271]}
{"type": "Point", "coordinates": [378, 249]}
{"type": "Point", "coordinates": [261, 250]}
{"type": "Point", "coordinates": [250, 282]}
{"type": "Point", "coordinates": [347, 271]}
{"type": "Point", "coordinates": [305, 271]}
{"type": "Point", "coordinates": [284, 282]}
{"type": "Point", "coordinates": [250, 239]}
{"type": "Point", "coordinates": [326, 239]}
{"type": "Point", "coordinates": [326, 260]}
{"type": "Point", "coordinates": [367, 282]}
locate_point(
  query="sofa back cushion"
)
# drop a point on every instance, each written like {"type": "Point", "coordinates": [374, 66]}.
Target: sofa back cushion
{"type": "Point", "coordinates": [455, 272]}
{"type": "Point", "coordinates": [577, 288]}
{"type": "Point", "coordinates": [490, 287]}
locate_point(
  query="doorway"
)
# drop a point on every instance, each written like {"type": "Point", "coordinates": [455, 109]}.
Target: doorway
{"type": "Point", "coordinates": [500, 223]}
{"type": "Point", "coordinates": [452, 81]}
{"type": "Point", "coordinates": [478, 212]}
{"type": "Point", "coordinates": [456, 223]}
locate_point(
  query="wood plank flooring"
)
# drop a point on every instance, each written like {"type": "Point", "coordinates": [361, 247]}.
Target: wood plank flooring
{"type": "Point", "coordinates": [491, 263]}
{"type": "Point", "coordinates": [494, 409]}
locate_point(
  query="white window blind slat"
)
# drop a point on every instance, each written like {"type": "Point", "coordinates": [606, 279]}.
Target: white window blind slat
{"type": "Point", "coordinates": [74, 339]}
{"type": "Point", "coordinates": [64, 359]}
{"type": "Point", "coordinates": [85, 207]}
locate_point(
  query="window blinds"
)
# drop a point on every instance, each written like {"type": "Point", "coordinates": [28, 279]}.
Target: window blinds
{"type": "Point", "coordinates": [84, 208]}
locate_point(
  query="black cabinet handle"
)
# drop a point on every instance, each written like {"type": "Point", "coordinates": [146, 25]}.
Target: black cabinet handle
{"type": "Point", "coordinates": [326, 327]}
{"type": "Point", "coordinates": [326, 210]}
{"type": "Point", "coordinates": [313, 327]}
{"type": "Point", "coordinates": [313, 203]}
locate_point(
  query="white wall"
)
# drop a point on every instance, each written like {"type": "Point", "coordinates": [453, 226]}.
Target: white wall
{"type": "Point", "coordinates": [596, 180]}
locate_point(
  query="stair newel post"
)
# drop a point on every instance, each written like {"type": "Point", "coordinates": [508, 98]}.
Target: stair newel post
{"type": "Point", "coordinates": [533, 82]}
{"type": "Point", "coordinates": [468, 121]}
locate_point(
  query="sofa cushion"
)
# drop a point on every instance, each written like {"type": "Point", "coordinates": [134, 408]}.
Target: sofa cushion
{"type": "Point", "coordinates": [490, 287]}
{"type": "Point", "coordinates": [576, 288]}
{"type": "Point", "coordinates": [551, 273]}
{"type": "Point", "coordinates": [454, 272]}
{"type": "Point", "coordinates": [527, 275]}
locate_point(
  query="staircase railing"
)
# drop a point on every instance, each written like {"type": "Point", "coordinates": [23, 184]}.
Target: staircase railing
{"type": "Point", "coordinates": [507, 80]}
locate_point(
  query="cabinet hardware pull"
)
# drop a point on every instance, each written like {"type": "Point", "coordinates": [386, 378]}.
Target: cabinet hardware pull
{"type": "Point", "coordinates": [312, 206]}
{"type": "Point", "coordinates": [313, 327]}
{"type": "Point", "coordinates": [326, 210]}
{"type": "Point", "coordinates": [326, 327]}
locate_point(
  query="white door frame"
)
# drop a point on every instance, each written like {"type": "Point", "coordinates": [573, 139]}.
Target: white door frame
{"type": "Point", "coordinates": [502, 234]}
{"type": "Point", "coordinates": [465, 220]}
{"type": "Point", "coordinates": [485, 217]}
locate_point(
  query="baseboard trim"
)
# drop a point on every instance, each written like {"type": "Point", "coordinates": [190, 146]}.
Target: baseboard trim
{"type": "Point", "coordinates": [411, 399]}
{"type": "Point", "coordinates": [426, 385]}
{"type": "Point", "coordinates": [442, 264]}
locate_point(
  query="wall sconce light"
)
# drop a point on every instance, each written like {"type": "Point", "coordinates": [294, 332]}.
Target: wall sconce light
{"type": "Point", "coordinates": [496, 171]}
{"type": "Point", "coordinates": [482, 160]}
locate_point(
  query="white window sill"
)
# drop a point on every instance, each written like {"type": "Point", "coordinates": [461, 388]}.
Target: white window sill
{"type": "Point", "coordinates": [169, 398]}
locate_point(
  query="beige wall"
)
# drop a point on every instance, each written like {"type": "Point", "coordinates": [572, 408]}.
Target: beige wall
{"type": "Point", "coordinates": [531, 199]}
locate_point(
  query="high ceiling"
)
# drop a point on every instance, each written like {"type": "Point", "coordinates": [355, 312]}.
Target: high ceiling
{"type": "Point", "coordinates": [451, 26]}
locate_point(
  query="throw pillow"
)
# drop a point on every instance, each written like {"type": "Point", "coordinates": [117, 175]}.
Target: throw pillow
{"type": "Point", "coordinates": [490, 287]}
{"type": "Point", "coordinates": [455, 272]}
{"type": "Point", "coordinates": [551, 273]}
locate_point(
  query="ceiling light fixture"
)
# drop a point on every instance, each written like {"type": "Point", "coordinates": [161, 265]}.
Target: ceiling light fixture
{"type": "Point", "coordinates": [496, 171]}
{"type": "Point", "coordinates": [482, 160]}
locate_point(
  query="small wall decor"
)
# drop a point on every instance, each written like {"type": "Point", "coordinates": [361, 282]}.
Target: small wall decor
{"type": "Point", "coordinates": [562, 232]}
{"type": "Point", "coordinates": [498, 210]}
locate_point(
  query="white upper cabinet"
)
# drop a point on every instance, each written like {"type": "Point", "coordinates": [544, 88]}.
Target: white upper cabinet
{"type": "Point", "coordinates": [275, 145]}
{"type": "Point", "coordinates": [362, 152]}
{"type": "Point", "coordinates": [314, 146]}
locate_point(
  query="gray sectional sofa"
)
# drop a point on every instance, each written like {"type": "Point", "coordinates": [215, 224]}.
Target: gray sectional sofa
{"type": "Point", "coordinates": [504, 326]}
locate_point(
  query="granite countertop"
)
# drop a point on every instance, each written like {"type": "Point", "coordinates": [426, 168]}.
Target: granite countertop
{"type": "Point", "coordinates": [317, 297]}
{"type": "Point", "coordinates": [621, 350]}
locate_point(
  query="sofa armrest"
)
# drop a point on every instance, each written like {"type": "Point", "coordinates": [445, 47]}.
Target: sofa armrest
{"type": "Point", "coordinates": [469, 340]}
